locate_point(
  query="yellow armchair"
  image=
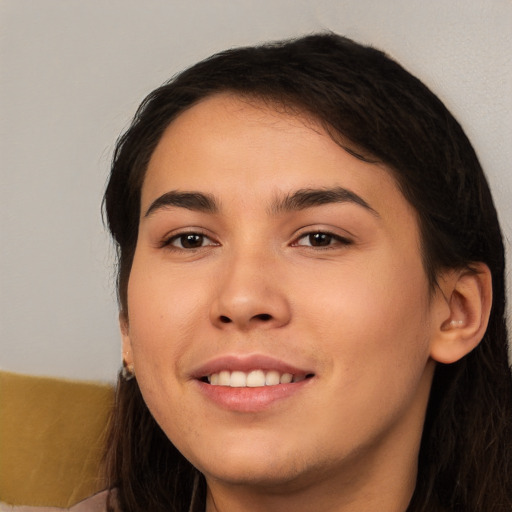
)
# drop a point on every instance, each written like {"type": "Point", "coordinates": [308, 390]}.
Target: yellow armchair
{"type": "Point", "coordinates": [51, 439]}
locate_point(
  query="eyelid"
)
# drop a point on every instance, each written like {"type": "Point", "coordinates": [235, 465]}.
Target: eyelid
{"type": "Point", "coordinates": [169, 238]}
{"type": "Point", "coordinates": [343, 239]}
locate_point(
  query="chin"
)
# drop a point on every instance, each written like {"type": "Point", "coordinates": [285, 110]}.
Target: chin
{"type": "Point", "coordinates": [267, 467]}
{"type": "Point", "coordinates": [264, 475]}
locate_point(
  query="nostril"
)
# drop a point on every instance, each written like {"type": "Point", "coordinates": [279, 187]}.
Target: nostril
{"type": "Point", "coordinates": [262, 317]}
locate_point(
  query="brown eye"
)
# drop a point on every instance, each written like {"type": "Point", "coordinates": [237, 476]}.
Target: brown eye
{"type": "Point", "coordinates": [319, 239]}
{"type": "Point", "coordinates": [190, 241]}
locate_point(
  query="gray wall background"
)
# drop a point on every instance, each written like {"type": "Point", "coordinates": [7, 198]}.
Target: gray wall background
{"type": "Point", "coordinates": [72, 73]}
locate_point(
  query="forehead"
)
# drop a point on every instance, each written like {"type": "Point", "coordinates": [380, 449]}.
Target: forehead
{"type": "Point", "coordinates": [238, 148]}
{"type": "Point", "coordinates": [229, 127]}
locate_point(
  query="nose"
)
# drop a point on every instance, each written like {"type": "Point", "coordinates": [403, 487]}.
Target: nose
{"type": "Point", "coordinates": [250, 295]}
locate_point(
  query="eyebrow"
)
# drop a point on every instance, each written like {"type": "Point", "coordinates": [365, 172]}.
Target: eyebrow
{"type": "Point", "coordinates": [196, 201]}
{"type": "Point", "coordinates": [298, 200]}
{"type": "Point", "coordinates": [308, 198]}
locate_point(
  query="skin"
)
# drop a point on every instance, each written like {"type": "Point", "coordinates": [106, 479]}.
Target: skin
{"type": "Point", "coordinates": [357, 312]}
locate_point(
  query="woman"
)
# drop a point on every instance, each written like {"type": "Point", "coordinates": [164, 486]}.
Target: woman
{"type": "Point", "coordinates": [311, 282]}
{"type": "Point", "coordinates": [311, 289]}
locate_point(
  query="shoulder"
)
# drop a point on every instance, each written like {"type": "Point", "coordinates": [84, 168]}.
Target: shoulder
{"type": "Point", "coordinates": [96, 503]}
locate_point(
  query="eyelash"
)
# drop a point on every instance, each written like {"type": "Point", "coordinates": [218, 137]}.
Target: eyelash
{"type": "Point", "coordinates": [339, 240]}
{"type": "Point", "coordinates": [169, 242]}
{"type": "Point", "coordinates": [332, 239]}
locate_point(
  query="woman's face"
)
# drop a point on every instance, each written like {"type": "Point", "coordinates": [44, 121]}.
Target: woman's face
{"type": "Point", "coordinates": [268, 254]}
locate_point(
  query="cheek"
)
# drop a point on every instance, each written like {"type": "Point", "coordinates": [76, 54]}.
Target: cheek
{"type": "Point", "coordinates": [374, 331]}
{"type": "Point", "coordinates": [159, 317]}
{"type": "Point", "coordinates": [161, 303]}
{"type": "Point", "coordinates": [160, 320]}
{"type": "Point", "coordinates": [373, 319]}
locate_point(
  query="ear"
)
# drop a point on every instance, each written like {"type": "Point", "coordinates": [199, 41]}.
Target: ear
{"type": "Point", "coordinates": [126, 342]}
{"type": "Point", "coordinates": [463, 307]}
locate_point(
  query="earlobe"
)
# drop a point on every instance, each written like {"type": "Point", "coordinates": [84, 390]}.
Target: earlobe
{"type": "Point", "coordinates": [128, 366]}
{"type": "Point", "coordinates": [462, 324]}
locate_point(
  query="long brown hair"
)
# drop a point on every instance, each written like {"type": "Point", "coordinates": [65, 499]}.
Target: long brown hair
{"type": "Point", "coordinates": [378, 111]}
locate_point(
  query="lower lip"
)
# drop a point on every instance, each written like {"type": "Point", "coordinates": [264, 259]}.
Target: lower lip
{"type": "Point", "coordinates": [250, 399]}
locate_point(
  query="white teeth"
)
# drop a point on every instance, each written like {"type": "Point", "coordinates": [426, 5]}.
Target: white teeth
{"type": "Point", "coordinates": [286, 378]}
{"type": "Point", "coordinates": [272, 378]}
{"type": "Point", "coordinates": [224, 378]}
{"type": "Point", "coordinates": [252, 379]}
{"type": "Point", "coordinates": [256, 379]}
{"type": "Point", "coordinates": [238, 380]}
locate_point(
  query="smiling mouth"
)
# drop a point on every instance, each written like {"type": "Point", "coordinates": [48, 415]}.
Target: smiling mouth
{"type": "Point", "coordinates": [253, 379]}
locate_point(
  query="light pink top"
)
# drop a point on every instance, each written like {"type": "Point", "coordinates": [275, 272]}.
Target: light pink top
{"type": "Point", "coordinates": [96, 503]}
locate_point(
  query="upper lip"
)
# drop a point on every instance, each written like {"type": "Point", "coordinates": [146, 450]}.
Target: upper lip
{"type": "Point", "coordinates": [246, 363]}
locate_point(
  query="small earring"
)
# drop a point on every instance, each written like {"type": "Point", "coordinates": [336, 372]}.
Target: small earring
{"type": "Point", "coordinates": [128, 371]}
{"type": "Point", "coordinates": [455, 323]}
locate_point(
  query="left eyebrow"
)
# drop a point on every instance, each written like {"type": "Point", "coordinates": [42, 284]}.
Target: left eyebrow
{"type": "Point", "coordinates": [195, 201]}
{"type": "Point", "coordinates": [308, 198]}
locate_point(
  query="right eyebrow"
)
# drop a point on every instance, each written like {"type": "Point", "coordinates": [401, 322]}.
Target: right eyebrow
{"type": "Point", "coordinates": [196, 201]}
{"type": "Point", "coordinates": [308, 198]}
